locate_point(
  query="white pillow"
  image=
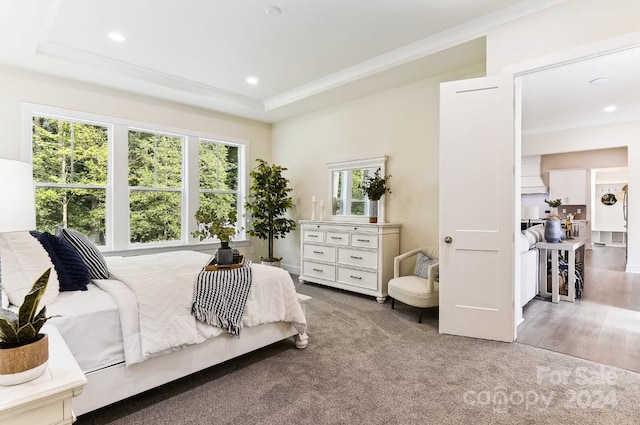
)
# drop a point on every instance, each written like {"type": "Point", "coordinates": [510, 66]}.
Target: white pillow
{"type": "Point", "coordinates": [23, 261]}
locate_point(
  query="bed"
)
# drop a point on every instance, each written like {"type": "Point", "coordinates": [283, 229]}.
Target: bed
{"type": "Point", "coordinates": [134, 330]}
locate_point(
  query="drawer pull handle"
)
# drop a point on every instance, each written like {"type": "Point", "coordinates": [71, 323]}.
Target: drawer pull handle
{"type": "Point", "coordinates": [313, 236]}
{"type": "Point", "coordinates": [318, 252]}
{"type": "Point", "coordinates": [318, 270]}
{"type": "Point", "coordinates": [363, 240]}
{"type": "Point", "coordinates": [355, 277]}
{"type": "Point", "coordinates": [355, 258]}
{"type": "Point", "coordinates": [337, 237]}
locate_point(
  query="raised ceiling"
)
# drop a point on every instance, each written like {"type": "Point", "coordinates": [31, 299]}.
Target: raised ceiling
{"type": "Point", "coordinates": [200, 52]}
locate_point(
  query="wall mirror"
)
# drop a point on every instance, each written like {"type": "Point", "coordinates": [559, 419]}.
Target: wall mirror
{"type": "Point", "coordinates": [347, 201]}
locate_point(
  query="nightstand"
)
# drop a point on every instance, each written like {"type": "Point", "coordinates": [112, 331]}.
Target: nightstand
{"type": "Point", "coordinates": [47, 399]}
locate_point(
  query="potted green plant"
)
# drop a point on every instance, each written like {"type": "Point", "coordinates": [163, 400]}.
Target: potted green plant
{"type": "Point", "coordinates": [24, 352]}
{"type": "Point", "coordinates": [375, 187]}
{"type": "Point", "coordinates": [215, 223]}
{"type": "Point", "coordinates": [267, 202]}
{"type": "Point", "coordinates": [554, 204]}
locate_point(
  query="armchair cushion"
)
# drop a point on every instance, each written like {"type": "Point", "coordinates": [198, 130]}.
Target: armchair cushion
{"type": "Point", "coordinates": [423, 262]}
{"type": "Point", "coordinates": [414, 291]}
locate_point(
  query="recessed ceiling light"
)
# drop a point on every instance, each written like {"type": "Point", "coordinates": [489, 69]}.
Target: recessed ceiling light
{"type": "Point", "coordinates": [600, 81]}
{"type": "Point", "coordinates": [273, 11]}
{"type": "Point", "coordinates": [116, 36]}
{"type": "Point", "coordinates": [252, 80]}
{"type": "Point", "coordinates": [610, 108]}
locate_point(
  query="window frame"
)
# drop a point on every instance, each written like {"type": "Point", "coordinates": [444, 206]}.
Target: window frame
{"type": "Point", "coordinates": [117, 238]}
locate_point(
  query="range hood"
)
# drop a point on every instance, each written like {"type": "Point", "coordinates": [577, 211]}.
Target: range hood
{"type": "Point", "coordinates": [530, 181]}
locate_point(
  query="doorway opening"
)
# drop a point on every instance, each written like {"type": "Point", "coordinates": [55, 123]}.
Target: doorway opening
{"type": "Point", "coordinates": [583, 116]}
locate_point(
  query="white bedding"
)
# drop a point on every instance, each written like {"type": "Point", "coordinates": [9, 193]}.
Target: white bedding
{"type": "Point", "coordinates": [90, 324]}
{"type": "Point", "coordinates": [162, 285]}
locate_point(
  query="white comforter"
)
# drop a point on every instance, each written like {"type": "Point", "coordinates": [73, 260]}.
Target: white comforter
{"type": "Point", "coordinates": [155, 293]}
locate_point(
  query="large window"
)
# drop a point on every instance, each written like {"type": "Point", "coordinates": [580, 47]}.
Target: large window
{"type": "Point", "coordinates": [70, 163]}
{"type": "Point", "coordinates": [218, 170]}
{"type": "Point", "coordinates": [124, 186]}
{"type": "Point", "coordinates": [155, 187]}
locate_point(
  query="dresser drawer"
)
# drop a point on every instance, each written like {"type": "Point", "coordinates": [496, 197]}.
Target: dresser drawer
{"type": "Point", "coordinates": [359, 278]}
{"type": "Point", "coordinates": [337, 238]}
{"type": "Point", "coordinates": [322, 271]}
{"type": "Point", "coordinates": [319, 252]}
{"type": "Point", "coordinates": [359, 258]}
{"type": "Point", "coordinates": [314, 236]}
{"type": "Point", "coordinates": [364, 240]}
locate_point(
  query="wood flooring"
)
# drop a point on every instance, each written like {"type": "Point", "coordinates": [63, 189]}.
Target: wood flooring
{"type": "Point", "coordinates": [603, 326]}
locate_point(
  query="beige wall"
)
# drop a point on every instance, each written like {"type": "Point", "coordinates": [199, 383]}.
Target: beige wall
{"type": "Point", "coordinates": [402, 123]}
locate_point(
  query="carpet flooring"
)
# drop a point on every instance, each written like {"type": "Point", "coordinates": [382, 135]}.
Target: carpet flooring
{"type": "Point", "coordinates": [368, 364]}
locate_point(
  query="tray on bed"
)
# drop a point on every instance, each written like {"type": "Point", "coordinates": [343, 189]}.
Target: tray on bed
{"type": "Point", "coordinates": [213, 265]}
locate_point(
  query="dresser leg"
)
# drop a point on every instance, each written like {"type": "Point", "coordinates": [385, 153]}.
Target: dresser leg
{"type": "Point", "coordinates": [381, 300]}
{"type": "Point", "coordinates": [301, 280]}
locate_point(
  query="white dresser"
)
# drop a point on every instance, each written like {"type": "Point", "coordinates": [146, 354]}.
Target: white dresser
{"type": "Point", "coordinates": [352, 256]}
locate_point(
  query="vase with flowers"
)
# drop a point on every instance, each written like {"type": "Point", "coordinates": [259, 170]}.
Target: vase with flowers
{"type": "Point", "coordinates": [552, 227]}
{"type": "Point", "coordinates": [554, 204]}
{"type": "Point", "coordinates": [374, 187]}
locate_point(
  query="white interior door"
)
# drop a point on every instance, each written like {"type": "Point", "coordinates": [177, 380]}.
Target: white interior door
{"type": "Point", "coordinates": [477, 208]}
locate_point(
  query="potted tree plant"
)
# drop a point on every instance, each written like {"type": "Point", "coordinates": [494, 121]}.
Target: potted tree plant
{"type": "Point", "coordinates": [24, 352]}
{"type": "Point", "coordinates": [267, 203]}
{"type": "Point", "coordinates": [374, 187]}
{"type": "Point", "coordinates": [215, 223]}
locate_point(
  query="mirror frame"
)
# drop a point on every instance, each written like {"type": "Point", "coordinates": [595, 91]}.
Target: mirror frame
{"type": "Point", "coordinates": [374, 162]}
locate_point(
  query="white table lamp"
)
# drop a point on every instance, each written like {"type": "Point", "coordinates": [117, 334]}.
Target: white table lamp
{"type": "Point", "coordinates": [530, 213]}
{"type": "Point", "coordinates": [17, 196]}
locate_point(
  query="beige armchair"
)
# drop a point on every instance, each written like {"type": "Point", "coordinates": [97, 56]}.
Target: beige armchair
{"type": "Point", "coordinates": [414, 290]}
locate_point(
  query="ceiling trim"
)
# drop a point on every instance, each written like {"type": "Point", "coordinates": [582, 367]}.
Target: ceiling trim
{"type": "Point", "coordinates": [56, 50]}
{"type": "Point", "coordinates": [437, 42]}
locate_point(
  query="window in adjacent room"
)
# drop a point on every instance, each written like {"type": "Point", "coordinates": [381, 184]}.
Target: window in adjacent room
{"type": "Point", "coordinates": [155, 187]}
{"type": "Point", "coordinates": [70, 166]}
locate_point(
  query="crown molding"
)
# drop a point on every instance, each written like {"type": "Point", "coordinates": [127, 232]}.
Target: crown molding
{"type": "Point", "coordinates": [56, 50]}
{"type": "Point", "coordinates": [433, 44]}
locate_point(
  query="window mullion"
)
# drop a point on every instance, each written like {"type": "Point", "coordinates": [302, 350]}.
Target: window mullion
{"type": "Point", "coordinates": [118, 214]}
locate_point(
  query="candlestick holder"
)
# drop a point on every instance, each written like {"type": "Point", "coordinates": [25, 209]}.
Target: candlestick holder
{"type": "Point", "coordinates": [313, 210]}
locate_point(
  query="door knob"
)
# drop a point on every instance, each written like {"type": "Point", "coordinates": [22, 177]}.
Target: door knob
{"type": "Point", "coordinates": [448, 239]}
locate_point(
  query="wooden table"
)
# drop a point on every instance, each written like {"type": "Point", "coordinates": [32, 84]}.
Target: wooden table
{"type": "Point", "coordinates": [45, 400]}
{"type": "Point", "coordinates": [570, 246]}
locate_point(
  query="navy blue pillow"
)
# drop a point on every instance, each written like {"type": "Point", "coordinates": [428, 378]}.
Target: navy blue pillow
{"type": "Point", "coordinates": [73, 273]}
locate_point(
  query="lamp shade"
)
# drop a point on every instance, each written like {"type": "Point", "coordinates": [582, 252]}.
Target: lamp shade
{"type": "Point", "coordinates": [530, 213]}
{"type": "Point", "coordinates": [17, 196]}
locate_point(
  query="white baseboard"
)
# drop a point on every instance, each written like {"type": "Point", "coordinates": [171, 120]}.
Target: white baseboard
{"type": "Point", "coordinates": [632, 268]}
{"type": "Point", "coordinates": [291, 268]}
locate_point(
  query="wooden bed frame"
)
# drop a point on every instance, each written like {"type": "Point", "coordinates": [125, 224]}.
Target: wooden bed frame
{"type": "Point", "coordinates": [115, 383]}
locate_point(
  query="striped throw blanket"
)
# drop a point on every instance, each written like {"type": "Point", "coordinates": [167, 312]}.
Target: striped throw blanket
{"type": "Point", "coordinates": [219, 297]}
